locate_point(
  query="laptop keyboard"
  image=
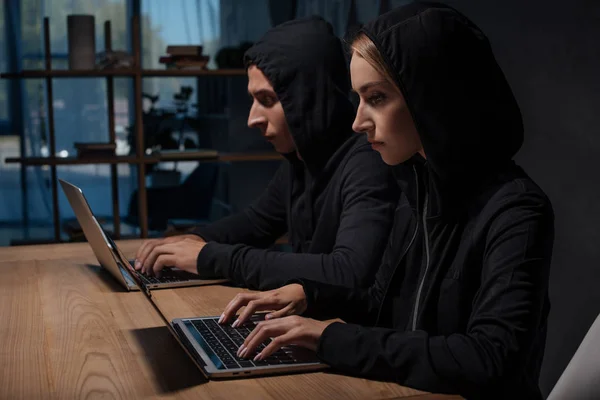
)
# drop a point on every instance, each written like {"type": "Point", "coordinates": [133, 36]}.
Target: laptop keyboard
{"type": "Point", "coordinates": [224, 341]}
{"type": "Point", "coordinates": [166, 277]}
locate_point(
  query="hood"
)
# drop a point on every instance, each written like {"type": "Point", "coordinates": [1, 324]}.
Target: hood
{"type": "Point", "coordinates": [305, 63]}
{"type": "Point", "coordinates": [464, 110]}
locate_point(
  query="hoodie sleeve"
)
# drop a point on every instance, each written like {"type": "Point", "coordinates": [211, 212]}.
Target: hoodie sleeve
{"type": "Point", "coordinates": [326, 301]}
{"type": "Point", "coordinates": [369, 195]}
{"type": "Point", "coordinates": [506, 314]}
{"type": "Point", "coordinates": [259, 225]}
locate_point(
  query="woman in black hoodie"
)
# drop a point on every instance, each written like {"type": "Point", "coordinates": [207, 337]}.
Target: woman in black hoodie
{"type": "Point", "coordinates": [460, 302]}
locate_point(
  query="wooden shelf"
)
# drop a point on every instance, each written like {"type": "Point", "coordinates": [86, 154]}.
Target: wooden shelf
{"type": "Point", "coordinates": [223, 157]}
{"type": "Point", "coordinates": [192, 72]}
{"type": "Point", "coordinates": [255, 156]}
{"type": "Point", "coordinates": [220, 157]}
{"type": "Point", "coordinates": [71, 160]}
{"type": "Point", "coordinates": [65, 73]}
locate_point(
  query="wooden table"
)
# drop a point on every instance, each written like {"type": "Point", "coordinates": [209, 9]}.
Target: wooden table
{"type": "Point", "coordinates": [70, 331]}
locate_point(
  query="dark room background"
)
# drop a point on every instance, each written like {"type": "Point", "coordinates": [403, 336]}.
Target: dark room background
{"type": "Point", "coordinates": [548, 49]}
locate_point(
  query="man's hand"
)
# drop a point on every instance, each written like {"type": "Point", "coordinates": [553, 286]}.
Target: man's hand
{"type": "Point", "coordinates": [148, 246]}
{"type": "Point", "coordinates": [287, 300]}
{"type": "Point", "coordinates": [181, 253]}
{"type": "Point", "coordinates": [292, 330]}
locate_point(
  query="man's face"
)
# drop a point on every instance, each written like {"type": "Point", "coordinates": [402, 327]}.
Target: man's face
{"type": "Point", "coordinates": [267, 113]}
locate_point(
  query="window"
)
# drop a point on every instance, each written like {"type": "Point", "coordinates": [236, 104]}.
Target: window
{"type": "Point", "coordinates": [180, 22]}
{"type": "Point", "coordinates": [80, 106]}
{"type": "Point", "coordinates": [3, 66]}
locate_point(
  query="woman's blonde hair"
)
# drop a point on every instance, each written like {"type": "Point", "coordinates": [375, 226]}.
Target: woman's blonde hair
{"type": "Point", "coordinates": [364, 47]}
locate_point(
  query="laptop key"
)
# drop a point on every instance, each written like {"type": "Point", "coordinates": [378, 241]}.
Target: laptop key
{"type": "Point", "coordinates": [232, 348]}
{"type": "Point", "coordinates": [245, 363]}
{"type": "Point", "coordinates": [288, 361]}
{"type": "Point", "coordinates": [273, 362]}
{"type": "Point", "coordinates": [238, 340]}
{"type": "Point", "coordinates": [229, 361]}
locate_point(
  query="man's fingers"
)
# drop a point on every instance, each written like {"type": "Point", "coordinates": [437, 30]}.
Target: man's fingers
{"type": "Point", "coordinates": [144, 252]}
{"type": "Point", "coordinates": [161, 262]}
{"type": "Point", "coordinates": [149, 245]}
{"type": "Point", "coordinates": [140, 250]}
{"type": "Point", "coordinates": [240, 300]}
{"type": "Point", "coordinates": [157, 251]}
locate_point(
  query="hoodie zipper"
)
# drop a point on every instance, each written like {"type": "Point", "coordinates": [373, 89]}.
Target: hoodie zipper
{"type": "Point", "coordinates": [387, 288]}
{"type": "Point", "coordinates": [426, 239]}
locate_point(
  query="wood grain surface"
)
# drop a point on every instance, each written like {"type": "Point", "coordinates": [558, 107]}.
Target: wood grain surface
{"type": "Point", "coordinates": [70, 331]}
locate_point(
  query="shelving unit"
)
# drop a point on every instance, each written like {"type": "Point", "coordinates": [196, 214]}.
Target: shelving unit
{"type": "Point", "coordinates": [222, 157]}
{"type": "Point", "coordinates": [140, 159]}
{"type": "Point", "coordinates": [146, 73]}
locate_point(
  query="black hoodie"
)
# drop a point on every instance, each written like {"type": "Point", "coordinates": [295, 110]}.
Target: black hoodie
{"type": "Point", "coordinates": [460, 302]}
{"type": "Point", "coordinates": [336, 204]}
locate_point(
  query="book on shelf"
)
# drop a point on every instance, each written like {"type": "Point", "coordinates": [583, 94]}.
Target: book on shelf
{"type": "Point", "coordinates": [187, 154]}
{"type": "Point", "coordinates": [199, 66]}
{"type": "Point", "coordinates": [184, 50]}
{"type": "Point", "coordinates": [95, 149]}
{"type": "Point", "coordinates": [114, 59]}
{"type": "Point", "coordinates": [184, 62]}
{"type": "Point", "coordinates": [184, 57]}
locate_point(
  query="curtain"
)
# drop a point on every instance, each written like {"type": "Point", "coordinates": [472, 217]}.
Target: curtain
{"type": "Point", "coordinates": [243, 20]}
{"type": "Point", "coordinates": [335, 12]}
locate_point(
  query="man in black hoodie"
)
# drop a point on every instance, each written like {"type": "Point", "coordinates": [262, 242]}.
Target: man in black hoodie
{"type": "Point", "coordinates": [333, 196]}
{"type": "Point", "coordinates": [460, 303]}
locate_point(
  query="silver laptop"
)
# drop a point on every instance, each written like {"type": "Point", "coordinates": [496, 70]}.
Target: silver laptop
{"type": "Point", "coordinates": [213, 347]}
{"type": "Point", "coordinates": [111, 258]}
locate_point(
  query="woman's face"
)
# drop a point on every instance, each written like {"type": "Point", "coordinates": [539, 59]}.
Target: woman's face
{"type": "Point", "coordinates": [383, 115]}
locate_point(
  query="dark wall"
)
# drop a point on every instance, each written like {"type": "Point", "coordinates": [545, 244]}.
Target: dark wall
{"type": "Point", "coordinates": [550, 52]}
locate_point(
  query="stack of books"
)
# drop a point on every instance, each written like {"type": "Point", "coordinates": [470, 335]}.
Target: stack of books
{"type": "Point", "coordinates": [95, 149]}
{"type": "Point", "coordinates": [184, 57]}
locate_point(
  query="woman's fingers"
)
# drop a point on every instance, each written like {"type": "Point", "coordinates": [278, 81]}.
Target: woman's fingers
{"type": "Point", "coordinates": [239, 301]}
{"type": "Point", "coordinates": [277, 343]}
{"type": "Point", "coordinates": [284, 312]}
{"type": "Point", "coordinates": [260, 304]}
{"type": "Point", "coordinates": [263, 331]}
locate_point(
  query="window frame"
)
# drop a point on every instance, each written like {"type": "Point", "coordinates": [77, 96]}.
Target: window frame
{"type": "Point", "coordinates": [6, 124]}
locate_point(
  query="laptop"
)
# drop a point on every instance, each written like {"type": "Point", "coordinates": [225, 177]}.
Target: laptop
{"type": "Point", "coordinates": [213, 347]}
{"type": "Point", "coordinates": [112, 259]}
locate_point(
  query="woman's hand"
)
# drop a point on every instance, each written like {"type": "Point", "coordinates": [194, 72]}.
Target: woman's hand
{"type": "Point", "coordinates": [292, 330]}
{"type": "Point", "coordinates": [287, 300]}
